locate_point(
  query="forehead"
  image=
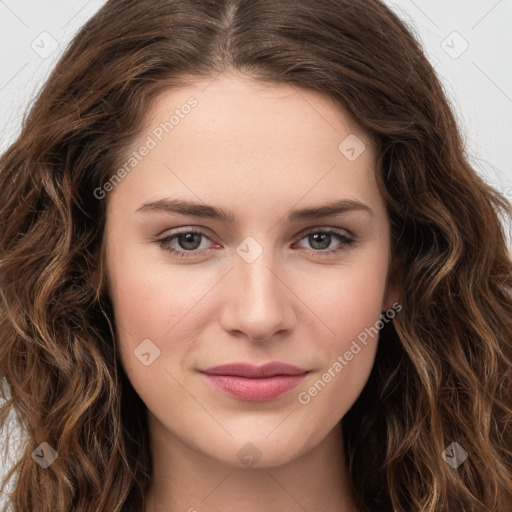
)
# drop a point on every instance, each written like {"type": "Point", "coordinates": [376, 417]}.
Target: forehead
{"type": "Point", "coordinates": [234, 134]}
{"type": "Point", "coordinates": [231, 109]}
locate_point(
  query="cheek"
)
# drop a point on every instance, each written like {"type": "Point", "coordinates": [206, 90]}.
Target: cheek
{"type": "Point", "coordinates": [150, 311]}
{"type": "Point", "coordinates": [347, 299]}
{"type": "Point", "coordinates": [350, 305]}
{"type": "Point", "coordinates": [152, 298]}
{"type": "Point", "coordinates": [158, 303]}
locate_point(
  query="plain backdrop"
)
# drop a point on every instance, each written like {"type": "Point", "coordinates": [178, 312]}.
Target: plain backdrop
{"type": "Point", "coordinates": [469, 42]}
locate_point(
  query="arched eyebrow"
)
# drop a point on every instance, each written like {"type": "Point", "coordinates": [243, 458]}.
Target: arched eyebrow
{"type": "Point", "coordinates": [195, 209]}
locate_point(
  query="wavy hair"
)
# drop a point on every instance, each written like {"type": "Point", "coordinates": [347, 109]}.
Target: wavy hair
{"type": "Point", "coordinates": [443, 369]}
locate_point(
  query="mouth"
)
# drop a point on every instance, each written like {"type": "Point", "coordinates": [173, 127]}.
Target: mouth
{"type": "Point", "coordinates": [254, 383]}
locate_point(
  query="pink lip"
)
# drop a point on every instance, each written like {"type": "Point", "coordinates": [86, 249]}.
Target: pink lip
{"type": "Point", "coordinates": [254, 383]}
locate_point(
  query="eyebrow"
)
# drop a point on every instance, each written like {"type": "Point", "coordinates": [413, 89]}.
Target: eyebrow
{"type": "Point", "coordinates": [183, 207]}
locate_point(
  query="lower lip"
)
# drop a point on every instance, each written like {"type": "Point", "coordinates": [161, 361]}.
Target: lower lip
{"type": "Point", "coordinates": [254, 390]}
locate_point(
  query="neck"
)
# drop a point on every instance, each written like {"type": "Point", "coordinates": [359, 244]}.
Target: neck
{"type": "Point", "coordinates": [189, 481]}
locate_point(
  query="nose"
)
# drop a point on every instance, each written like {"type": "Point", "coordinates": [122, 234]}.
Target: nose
{"type": "Point", "coordinates": [259, 305]}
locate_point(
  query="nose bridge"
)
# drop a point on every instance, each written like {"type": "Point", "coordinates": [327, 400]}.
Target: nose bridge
{"type": "Point", "coordinates": [259, 278]}
{"type": "Point", "coordinates": [259, 303]}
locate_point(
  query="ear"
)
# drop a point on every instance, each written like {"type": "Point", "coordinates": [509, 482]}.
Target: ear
{"type": "Point", "coordinates": [394, 283]}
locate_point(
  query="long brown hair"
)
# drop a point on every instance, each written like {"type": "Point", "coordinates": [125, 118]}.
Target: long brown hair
{"type": "Point", "coordinates": [443, 370]}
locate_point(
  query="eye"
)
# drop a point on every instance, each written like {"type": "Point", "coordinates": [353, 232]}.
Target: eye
{"type": "Point", "coordinates": [189, 242]}
{"type": "Point", "coordinates": [320, 239]}
{"type": "Point", "coordinates": [188, 239]}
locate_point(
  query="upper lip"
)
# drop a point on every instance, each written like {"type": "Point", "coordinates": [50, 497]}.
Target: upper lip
{"type": "Point", "coordinates": [254, 372]}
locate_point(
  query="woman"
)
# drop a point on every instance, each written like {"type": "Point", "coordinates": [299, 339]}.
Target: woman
{"type": "Point", "coordinates": [246, 265]}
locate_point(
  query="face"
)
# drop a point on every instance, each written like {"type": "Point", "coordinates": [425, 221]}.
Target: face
{"type": "Point", "coordinates": [274, 280]}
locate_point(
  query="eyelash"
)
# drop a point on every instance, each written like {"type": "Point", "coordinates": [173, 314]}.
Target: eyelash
{"type": "Point", "coordinates": [346, 242]}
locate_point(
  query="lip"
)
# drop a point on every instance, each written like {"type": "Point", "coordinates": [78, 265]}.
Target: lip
{"type": "Point", "coordinates": [254, 372]}
{"type": "Point", "coordinates": [254, 383]}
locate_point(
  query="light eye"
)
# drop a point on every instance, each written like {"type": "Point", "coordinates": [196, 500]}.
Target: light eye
{"type": "Point", "coordinates": [185, 237]}
{"type": "Point", "coordinates": [190, 242]}
{"type": "Point", "coordinates": [323, 241]}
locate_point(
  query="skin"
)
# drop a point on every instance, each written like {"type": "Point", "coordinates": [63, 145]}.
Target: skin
{"type": "Point", "coordinates": [259, 151]}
